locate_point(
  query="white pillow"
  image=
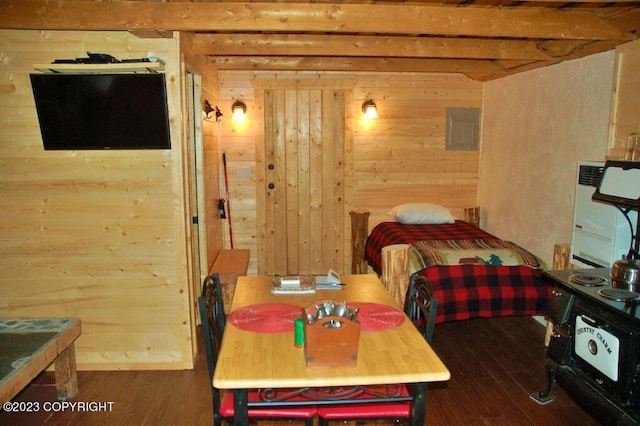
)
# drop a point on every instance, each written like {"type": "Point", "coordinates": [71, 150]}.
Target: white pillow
{"type": "Point", "coordinates": [421, 214]}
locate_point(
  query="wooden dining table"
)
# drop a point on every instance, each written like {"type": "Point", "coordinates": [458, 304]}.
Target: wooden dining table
{"type": "Point", "coordinates": [263, 354]}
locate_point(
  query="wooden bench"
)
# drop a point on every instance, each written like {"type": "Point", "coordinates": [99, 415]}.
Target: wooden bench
{"type": "Point", "coordinates": [229, 265]}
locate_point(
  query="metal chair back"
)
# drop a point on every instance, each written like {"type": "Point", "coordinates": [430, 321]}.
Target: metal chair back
{"type": "Point", "coordinates": [422, 306]}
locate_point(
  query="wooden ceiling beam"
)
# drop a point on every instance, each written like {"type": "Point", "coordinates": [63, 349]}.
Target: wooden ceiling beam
{"type": "Point", "coordinates": [367, 46]}
{"type": "Point", "coordinates": [332, 63]}
{"type": "Point", "coordinates": [152, 34]}
{"type": "Point", "coordinates": [627, 21]}
{"type": "Point", "coordinates": [572, 49]}
{"type": "Point", "coordinates": [310, 17]}
{"type": "Point", "coordinates": [587, 1]}
{"type": "Point", "coordinates": [512, 69]}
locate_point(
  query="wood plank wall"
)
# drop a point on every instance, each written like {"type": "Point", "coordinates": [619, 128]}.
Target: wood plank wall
{"type": "Point", "coordinates": [98, 235]}
{"type": "Point", "coordinates": [210, 174]}
{"type": "Point", "coordinates": [398, 158]}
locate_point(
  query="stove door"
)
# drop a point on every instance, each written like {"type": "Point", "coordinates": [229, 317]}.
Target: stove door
{"type": "Point", "coordinates": [606, 351]}
{"type": "Point", "coordinates": [560, 306]}
{"type": "Point", "coordinates": [597, 346]}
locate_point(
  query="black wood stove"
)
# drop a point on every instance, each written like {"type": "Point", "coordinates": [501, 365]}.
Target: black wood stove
{"type": "Point", "coordinates": [594, 349]}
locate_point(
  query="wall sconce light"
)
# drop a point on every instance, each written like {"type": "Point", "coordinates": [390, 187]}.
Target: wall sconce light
{"type": "Point", "coordinates": [238, 110]}
{"type": "Point", "coordinates": [208, 109]}
{"type": "Point", "coordinates": [369, 109]}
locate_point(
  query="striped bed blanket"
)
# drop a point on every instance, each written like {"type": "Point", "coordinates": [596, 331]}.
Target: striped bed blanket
{"type": "Point", "coordinates": [480, 251]}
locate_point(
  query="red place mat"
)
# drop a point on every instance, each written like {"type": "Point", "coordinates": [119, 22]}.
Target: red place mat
{"type": "Point", "coordinates": [377, 317]}
{"type": "Point", "coordinates": [265, 317]}
{"type": "Point", "coordinates": [279, 317]}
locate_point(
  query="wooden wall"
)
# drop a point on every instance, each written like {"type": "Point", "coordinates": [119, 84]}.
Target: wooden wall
{"type": "Point", "coordinates": [98, 235]}
{"type": "Point", "coordinates": [104, 235]}
{"type": "Point", "coordinates": [398, 158]}
{"type": "Point", "coordinates": [207, 156]}
{"type": "Point", "coordinates": [402, 158]}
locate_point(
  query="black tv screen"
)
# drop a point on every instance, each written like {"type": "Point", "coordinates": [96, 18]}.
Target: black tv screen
{"type": "Point", "coordinates": [102, 111]}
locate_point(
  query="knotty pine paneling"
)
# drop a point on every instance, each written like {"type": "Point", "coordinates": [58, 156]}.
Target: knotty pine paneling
{"type": "Point", "coordinates": [98, 235]}
{"type": "Point", "coordinates": [402, 158]}
{"type": "Point", "coordinates": [209, 157]}
{"type": "Point", "coordinates": [399, 158]}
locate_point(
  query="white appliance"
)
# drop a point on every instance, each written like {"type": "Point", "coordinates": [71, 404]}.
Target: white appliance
{"type": "Point", "coordinates": [601, 233]}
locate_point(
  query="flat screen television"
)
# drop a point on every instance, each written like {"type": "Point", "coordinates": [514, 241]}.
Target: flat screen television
{"type": "Point", "coordinates": [102, 111]}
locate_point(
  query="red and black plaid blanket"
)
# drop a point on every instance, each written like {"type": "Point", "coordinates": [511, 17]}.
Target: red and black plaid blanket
{"type": "Point", "coordinates": [388, 233]}
{"type": "Point", "coordinates": [466, 291]}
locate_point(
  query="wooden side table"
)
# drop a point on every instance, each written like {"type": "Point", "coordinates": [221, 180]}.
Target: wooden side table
{"type": "Point", "coordinates": [29, 346]}
{"type": "Point", "coordinates": [229, 265]}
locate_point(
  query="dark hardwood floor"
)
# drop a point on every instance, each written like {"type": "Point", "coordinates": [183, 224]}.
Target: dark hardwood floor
{"type": "Point", "coordinates": [494, 363]}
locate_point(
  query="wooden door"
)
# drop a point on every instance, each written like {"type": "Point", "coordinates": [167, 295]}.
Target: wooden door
{"type": "Point", "coordinates": [301, 181]}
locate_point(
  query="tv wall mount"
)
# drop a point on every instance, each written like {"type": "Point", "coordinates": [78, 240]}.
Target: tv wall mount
{"type": "Point", "coordinates": [103, 63]}
{"type": "Point", "coordinates": [102, 58]}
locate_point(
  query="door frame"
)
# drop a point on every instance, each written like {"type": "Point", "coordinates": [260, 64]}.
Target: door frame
{"type": "Point", "coordinates": [194, 183]}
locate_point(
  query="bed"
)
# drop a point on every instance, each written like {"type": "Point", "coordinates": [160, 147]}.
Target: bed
{"type": "Point", "coordinates": [470, 286]}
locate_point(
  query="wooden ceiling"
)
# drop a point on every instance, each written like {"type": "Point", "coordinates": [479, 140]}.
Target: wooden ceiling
{"type": "Point", "coordinates": [484, 39]}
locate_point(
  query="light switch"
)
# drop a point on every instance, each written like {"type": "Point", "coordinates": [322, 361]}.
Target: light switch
{"type": "Point", "coordinates": [243, 172]}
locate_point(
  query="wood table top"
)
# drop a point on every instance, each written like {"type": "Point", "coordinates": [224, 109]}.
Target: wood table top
{"type": "Point", "coordinates": [258, 360]}
{"type": "Point", "coordinates": [28, 346]}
